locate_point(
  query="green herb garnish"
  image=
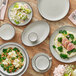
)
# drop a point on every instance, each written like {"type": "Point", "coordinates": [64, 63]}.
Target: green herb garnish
{"type": "Point", "coordinates": [73, 50]}
{"type": "Point", "coordinates": [54, 46]}
{"type": "Point", "coordinates": [60, 39]}
{"type": "Point", "coordinates": [63, 31]}
{"type": "Point", "coordinates": [64, 56]}
{"type": "Point", "coordinates": [74, 42]}
{"type": "Point", "coordinates": [60, 49]}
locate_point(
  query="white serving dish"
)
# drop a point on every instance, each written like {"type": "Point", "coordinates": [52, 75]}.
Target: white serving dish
{"type": "Point", "coordinates": [53, 51]}
{"type": "Point", "coordinates": [53, 10]}
{"type": "Point", "coordinates": [26, 59]}
{"type": "Point", "coordinates": [41, 28]}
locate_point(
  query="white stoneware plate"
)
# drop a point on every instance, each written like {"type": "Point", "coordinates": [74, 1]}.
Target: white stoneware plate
{"type": "Point", "coordinates": [41, 62]}
{"type": "Point", "coordinates": [41, 28]}
{"type": "Point", "coordinates": [26, 21]}
{"type": "Point", "coordinates": [7, 32]}
{"type": "Point", "coordinates": [26, 59]}
{"type": "Point", "coordinates": [53, 51]}
{"type": "Point", "coordinates": [53, 10]}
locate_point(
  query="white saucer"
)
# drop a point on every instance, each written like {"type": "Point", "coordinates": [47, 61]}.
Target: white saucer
{"type": "Point", "coordinates": [41, 28]}
{"type": "Point", "coordinates": [53, 51]}
{"type": "Point", "coordinates": [7, 32]}
{"type": "Point", "coordinates": [53, 10]}
{"type": "Point", "coordinates": [41, 62]}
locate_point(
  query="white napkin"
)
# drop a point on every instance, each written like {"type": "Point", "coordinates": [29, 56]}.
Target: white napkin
{"type": "Point", "coordinates": [2, 12]}
{"type": "Point", "coordinates": [72, 17]}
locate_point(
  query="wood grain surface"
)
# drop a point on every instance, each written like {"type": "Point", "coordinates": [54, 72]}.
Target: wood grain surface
{"type": "Point", "coordinates": [44, 46]}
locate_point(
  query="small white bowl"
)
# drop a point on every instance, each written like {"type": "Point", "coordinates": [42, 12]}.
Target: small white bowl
{"type": "Point", "coordinates": [33, 37]}
{"type": "Point", "coordinates": [7, 32]}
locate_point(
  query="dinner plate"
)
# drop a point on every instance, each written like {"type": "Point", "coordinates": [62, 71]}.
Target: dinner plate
{"type": "Point", "coordinates": [41, 28]}
{"type": "Point", "coordinates": [26, 59]}
{"type": "Point", "coordinates": [53, 51]}
{"type": "Point", "coordinates": [53, 10]}
{"type": "Point", "coordinates": [26, 21]}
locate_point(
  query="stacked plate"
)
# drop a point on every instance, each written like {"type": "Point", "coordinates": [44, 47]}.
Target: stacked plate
{"type": "Point", "coordinates": [26, 60]}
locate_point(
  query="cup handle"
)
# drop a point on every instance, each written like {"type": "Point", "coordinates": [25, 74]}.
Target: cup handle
{"type": "Point", "coordinates": [50, 58]}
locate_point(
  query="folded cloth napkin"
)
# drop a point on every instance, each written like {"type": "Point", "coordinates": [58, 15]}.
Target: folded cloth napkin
{"type": "Point", "coordinates": [2, 12]}
{"type": "Point", "coordinates": [72, 17]}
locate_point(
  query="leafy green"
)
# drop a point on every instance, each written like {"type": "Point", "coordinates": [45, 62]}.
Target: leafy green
{"type": "Point", "coordinates": [0, 58]}
{"type": "Point", "coordinates": [74, 42]}
{"type": "Point", "coordinates": [23, 17]}
{"type": "Point", "coordinates": [60, 48]}
{"type": "Point", "coordinates": [13, 58]}
{"type": "Point", "coordinates": [16, 5]}
{"type": "Point", "coordinates": [14, 69]}
{"type": "Point", "coordinates": [16, 49]}
{"type": "Point", "coordinates": [9, 50]}
{"type": "Point", "coordinates": [73, 50]}
{"type": "Point", "coordinates": [64, 56]}
{"type": "Point", "coordinates": [54, 46]}
{"type": "Point", "coordinates": [60, 39]}
{"type": "Point", "coordinates": [28, 11]}
{"type": "Point", "coordinates": [63, 31]}
{"type": "Point", "coordinates": [71, 36]}
{"type": "Point", "coordinates": [16, 21]}
{"type": "Point", "coordinates": [3, 58]}
{"type": "Point", "coordinates": [5, 50]}
{"type": "Point", "coordinates": [2, 65]}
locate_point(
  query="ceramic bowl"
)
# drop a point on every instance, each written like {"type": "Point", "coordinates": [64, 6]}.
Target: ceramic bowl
{"type": "Point", "coordinates": [30, 15]}
{"type": "Point", "coordinates": [26, 59]}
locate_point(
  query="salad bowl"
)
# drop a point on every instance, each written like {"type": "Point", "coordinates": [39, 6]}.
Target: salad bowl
{"type": "Point", "coordinates": [19, 72]}
{"type": "Point", "coordinates": [20, 13]}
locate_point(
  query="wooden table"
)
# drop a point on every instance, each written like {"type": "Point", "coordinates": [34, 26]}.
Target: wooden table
{"type": "Point", "coordinates": [44, 46]}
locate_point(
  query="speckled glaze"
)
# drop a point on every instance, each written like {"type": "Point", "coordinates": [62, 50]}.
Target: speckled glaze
{"type": "Point", "coordinates": [44, 46]}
